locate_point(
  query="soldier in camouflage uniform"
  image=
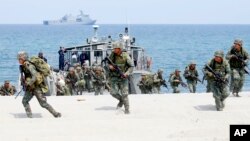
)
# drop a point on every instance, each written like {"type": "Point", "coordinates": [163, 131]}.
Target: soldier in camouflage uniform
{"type": "Point", "coordinates": [208, 79]}
{"type": "Point", "coordinates": [220, 89]}
{"type": "Point", "coordinates": [144, 85]}
{"type": "Point", "coordinates": [191, 75]}
{"type": "Point", "coordinates": [35, 86]}
{"type": "Point", "coordinates": [7, 89]}
{"type": "Point", "coordinates": [175, 80]}
{"type": "Point", "coordinates": [157, 81]}
{"type": "Point", "coordinates": [80, 84]}
{"type": "Point", "coordinates": [119, 83]}
{"type": "Point", "coordinates": [237, 66]}
{"type": "Point", "coordinates": [99, 80]}
{"type": "Point", "coordinates": [71, 80]}
{"type": "Point", "coordinates": [88, 79]}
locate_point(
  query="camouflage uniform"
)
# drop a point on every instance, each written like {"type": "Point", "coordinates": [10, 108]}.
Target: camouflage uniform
{"type": "Point", "coordinates": [88, 79]}
{"type": "Point", "coordinates": [99, 81]}
{"type": "Point", "coordinates": [80, 84]}
{"type": "Point", "coordinates": [62, 90]}
{"type": "Point", "coordinates": [7, 90]}
{"type": "Point", "coordinates": [174, 81]}
{"type": "Point", "coordinates": [144, 85]}
{"type": "Point", "coordinates": [208, 79]}
{"type": "Point", "coordinates": [237, 67]}
{"type": "Point", "coordinates": [220, 90]}
{"type": "Point", "coordinates": [35, 86]}
{"type": "Point", "coordinates": [157, 81]}
{"type": "Point", "coordinates": [119, 86]}
{"type": "Point", "coordinates": [190, 75]}
{"type": "Point", "coordinates": [71, 80]}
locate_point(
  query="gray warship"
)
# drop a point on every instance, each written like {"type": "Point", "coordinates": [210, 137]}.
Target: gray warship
{"type": "Point", "coordinates": [68, 19]}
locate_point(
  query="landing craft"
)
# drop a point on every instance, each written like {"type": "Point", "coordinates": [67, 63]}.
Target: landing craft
{"type": "Point", "coordinates": [97, 49]}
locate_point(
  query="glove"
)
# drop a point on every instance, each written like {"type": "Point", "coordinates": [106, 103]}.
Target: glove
{"type": "Point", "coordinates": [209, 74]}
{"type": "Point", "coordinates": [233, 56]}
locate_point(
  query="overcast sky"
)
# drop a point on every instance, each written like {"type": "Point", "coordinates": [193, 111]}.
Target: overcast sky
{"type": "Point", "coordinates": [129, 11]}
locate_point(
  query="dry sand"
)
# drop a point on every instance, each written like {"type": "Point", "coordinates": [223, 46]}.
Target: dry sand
{"type": "Point", "coordinates": [182, 117]}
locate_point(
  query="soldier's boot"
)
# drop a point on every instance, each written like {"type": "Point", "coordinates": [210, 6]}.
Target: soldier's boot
{"type": "Point", "coordinates": [52, 111]}
{"type": "Point", "coordinates": [237, 95]}
{"type": "Point", "coordinates": [118, 97]}
{"type": "Point", "coordinates": [28, 111]}
{"type": "Point", "coordinates": [218, 104]}
{"type": "Point", "coordinates": [126, 104]}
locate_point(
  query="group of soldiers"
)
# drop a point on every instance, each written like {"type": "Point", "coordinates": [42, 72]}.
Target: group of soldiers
{"type": "Point", "coordinates": [217, 73]}
{"type": "Point", "coordinates": [222, 73]}
{"type": "Point", "coordinates": [82, 78]}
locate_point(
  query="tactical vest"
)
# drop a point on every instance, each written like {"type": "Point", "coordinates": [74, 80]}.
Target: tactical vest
{"type": "Point", "coordinates": [121, 62]}
{"type": "Point", "coordinates": [234, 62]}
{"type": "Point", "coordinates": [219, 68]}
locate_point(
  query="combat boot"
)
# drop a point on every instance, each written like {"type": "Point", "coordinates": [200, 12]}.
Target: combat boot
{"type": "Point", "coordinates": [237, 95]}
{"type": "Point", "coordinates": [57, 115]}
{"type": "Point", "coordinates": [127, 111]}
{"type": "Point", "coordinates": [28, 111]}
{"type": "Point", "coordinates": [119, 105]}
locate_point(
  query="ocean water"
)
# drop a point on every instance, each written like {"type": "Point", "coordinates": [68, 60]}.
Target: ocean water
{"type": "Point", "coordinates": [170, 46]}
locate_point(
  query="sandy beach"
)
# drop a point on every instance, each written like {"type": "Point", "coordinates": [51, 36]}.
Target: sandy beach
{"type": "Point", "coordinates": [156, 117]}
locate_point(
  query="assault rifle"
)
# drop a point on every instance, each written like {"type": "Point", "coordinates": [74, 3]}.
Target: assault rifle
{"type": "Point", "coordinates": [241, 59]}
{"type": "Point", "coordinates": [183, 84]}
{"type": "Point", "coordinates": [22, 81]}
{"type": "Point", "coordinates": [217, 76]}
{"type": "Point", "coordinates": [164, 84]}
{"type": "Point", "coordinates": [195, 78]}
{"type": "Point", "coordinates": [117, 69]}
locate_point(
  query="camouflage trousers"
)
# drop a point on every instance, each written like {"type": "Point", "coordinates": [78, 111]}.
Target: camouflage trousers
{"type": "Point", "coordinates": [145, 90]}
{"type": "Point", "coordinates": [237, 80]}
{"type": "Point", "coordinates": [119, 90]}
{"type": "Point", "coordinates": [209, 89]}
{"type": "Point", "coordinates": [175, 89]}
{"type": "Point", "coordinates": [192, 86]}
{"type": "Point", "coordinates": [37, 92]}
{"type": "Point", "coordinates": [220, 93]}
{"type": "Point", "coordinates": [156, 89]}
{"type": "Point", "coordinates": [98, 89]}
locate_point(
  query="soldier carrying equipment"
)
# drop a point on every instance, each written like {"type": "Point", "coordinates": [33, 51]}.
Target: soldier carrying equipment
{"type": "Point", "coordinates": [218, 77]}
{"type": "Point", "coordinates": [241, 59]}
{"type": "Point", "coordinates": [117, 69]}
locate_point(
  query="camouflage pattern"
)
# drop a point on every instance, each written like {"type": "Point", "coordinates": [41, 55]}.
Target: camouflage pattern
{"type": "Point", "coordinates": [191, 81]}
{"type": "Point", "coordinates": [237, 67]}
{"type": "Point", "coordinates": [88, 79]}
{"type": "Point", "coordinates": [175, 82]}
{"type": "Point", "coordinates": [71, 79]}
{"type": "Point", "coordinates": [157, 82]}
{"type": "Point", "coordinates": [7, 91]}
{"type": "Point", "coordinates": [220, 90]}
{"type": "Point", "coordinates": [35, 89]}
{"type": "Point", "coordinates": [99, 82]}
{"type": "Point", "coordinates": [119, 86]}
{"type": "Point", "coordinates": [80, 84]}
{"type": "Point", "coordinates": [144, 84]}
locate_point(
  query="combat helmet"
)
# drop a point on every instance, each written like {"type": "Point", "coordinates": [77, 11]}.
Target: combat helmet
{"type": "Point", "coordinates": [238, 41]}
{"type": "Point", "coordinates": [219, 53]}
{"type": "Point", "coordinates": [22, 55]}
{"type": "Point", "coordinates": [192, 62]}
{"type": "Point", "coordinates": [160, 71]}
{"type": "Point", "coordinates": [117, 45]}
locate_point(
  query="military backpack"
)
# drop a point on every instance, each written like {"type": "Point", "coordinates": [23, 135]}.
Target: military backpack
{"type": "Point", "coordinates": [41, 65]}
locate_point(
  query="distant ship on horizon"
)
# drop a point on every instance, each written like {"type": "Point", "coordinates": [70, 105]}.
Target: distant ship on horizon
{"type": "Point", "coordinates": [69, 19]}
